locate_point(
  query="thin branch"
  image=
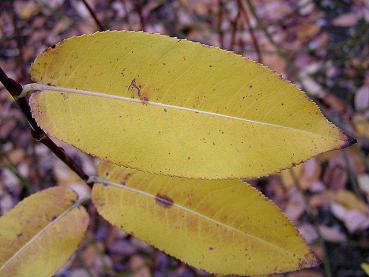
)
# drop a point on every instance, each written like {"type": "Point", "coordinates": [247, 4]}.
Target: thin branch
{"type": "Point", "coordinates": [138, 8]}
{"type": "Point", "coordinates": [234, 24]}
{"type": "Point", "coordinates": [219, 23]}
{"type": "Point", "coordinates": [250, 29]}
{"type": "Point", "coordinates": [15, 90]}
{"type": "Point", "coordinates": [93, 15]}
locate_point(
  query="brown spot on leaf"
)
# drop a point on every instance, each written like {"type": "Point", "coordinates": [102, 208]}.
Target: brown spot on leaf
{"type": "Point", "coordinates": [126, 178]}
{"type": "Point", "coordinates": [135, 86]}
{"type": "Point", "coordinates": [164, 200]}
{"type": "Point", "coordinates": [19, 235]}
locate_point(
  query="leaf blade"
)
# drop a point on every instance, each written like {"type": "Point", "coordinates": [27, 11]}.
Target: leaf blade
{"type": "Point", "coordinates": [234, 111]}
{"type": "Point", "coordinates": [219, 226]}
{"type": "Point", "coordinates": [26, 242]}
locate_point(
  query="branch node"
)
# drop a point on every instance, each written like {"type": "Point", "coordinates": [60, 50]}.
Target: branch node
{"type": "Point", "coordinates": [26, 90]}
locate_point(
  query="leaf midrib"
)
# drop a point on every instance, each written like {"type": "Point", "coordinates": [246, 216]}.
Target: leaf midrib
{"type": "Point", "coordinates": [41, 87]}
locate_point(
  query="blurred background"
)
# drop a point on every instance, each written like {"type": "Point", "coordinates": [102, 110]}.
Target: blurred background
{"type": "Point", "coordinates": [321, 46]}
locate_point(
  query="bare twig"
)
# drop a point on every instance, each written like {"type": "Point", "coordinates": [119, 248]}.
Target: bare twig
{"type": "Point", "coordinates": [139, 11]}
{"type": "Point", "coordinates": [93, 15]}
{"type": "Point", "coordinates": [241, 6]}
{"type": "Point", "coordinates": [234, 24]}
{"type": "Point", "coordinates": [219, 23]}
{"type": "Point", "coordinates": [15, 90]}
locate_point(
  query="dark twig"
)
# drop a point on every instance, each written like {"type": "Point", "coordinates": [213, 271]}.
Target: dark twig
{"type": "Point", "coordinates": [234, 24]}
{"type": "Point", "coordinates": [92, 13]}
{"type": "Point", "coordinates": [219, 23]}
{"type": "Point", "coordinates": [138, 8]}
{"type": "Point", "coordinates": [15, 89]}
{"type": "Point", "coordinates": [250, 29]}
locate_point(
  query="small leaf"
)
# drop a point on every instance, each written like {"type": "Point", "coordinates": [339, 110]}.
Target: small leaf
{"type": "Point", "coordinates": [365, 267]}
{"type": "Point", "coordinates": [41, 232]}
{"type": "Point", "coordinates": [222, 226]}
{"type": "Point", "coordinates": [176, 107]}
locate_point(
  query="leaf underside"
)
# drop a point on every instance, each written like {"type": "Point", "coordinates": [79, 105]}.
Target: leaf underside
{"type": "Point", "coordinates": [41, 233]}
{"type": "Point", "coordinates": [221, 226]}
{"type": "Point", "coordinates": [219, 115]}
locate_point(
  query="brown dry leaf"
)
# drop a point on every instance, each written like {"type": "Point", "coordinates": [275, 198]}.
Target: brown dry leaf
{"type": "Point", "coordinates": [328, 156]}
{"type": "Point", "coordinates": [17, 155]}
{"type": "Point", "coordinates": [139, 267]}
{"type": "Point", "coordinates": [346, 20]}
{"type": "Point", "coordinates": [306, 173]}
{"type": "Point", "coordinates": [350, 201]}
{"type": "Point", "coordinates": [335, 103]}
{"type": "Point", "coordinates": [321, 199]}
{"type": "Point", "coordinates": [363, 181]}
{"type": "Point", "coordinates": [353, 219]}
{"type": "Point", "coordinates": [307, 30]}
{"type": "Point", "coordinates": [331, 233]}
{"type": "Point", "coordinates": [335, 177]}
{"type": "Point", "coordinates": [361, 124]}
{"type": "Point", "coordinates": [362, 98]}
{"type": "Point", "coordinates": [345, 198]}
{"type": "Point", "coordinates": [288, 179]}
{"type": "Point", "coordinates": [295, 206]}
{"type": "Point", "coordinates": [356, 161]}
{"type": "Point", "coordinates": [26, 9]}
{"type": "Point", "coordinates": [274, 61]}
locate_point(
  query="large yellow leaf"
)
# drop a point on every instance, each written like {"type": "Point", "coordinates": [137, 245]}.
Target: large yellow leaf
{"type": "Point", "coordinates": [40, 233]}
{"type": "Point", "coordinates": [222, 226]}
{"type": "Point", "coordinates": [176, 107]}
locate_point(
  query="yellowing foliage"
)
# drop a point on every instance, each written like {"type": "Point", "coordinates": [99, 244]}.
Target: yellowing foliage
{"type": "Point", "coordinates": [222, 226]}
{"type": "Point", "coordinates": [175, 107]}
{"type": "Point", "coordinates": [40, 233]}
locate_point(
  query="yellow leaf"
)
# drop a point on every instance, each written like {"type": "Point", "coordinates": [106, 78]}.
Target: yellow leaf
{"type": "Point", "coordinates": [40, 233]}
{"type": "Point", "coordinates": [365, 267]}
{"type": "Point", "coordinates": [222, 226]}
{"type": "Point", "coordinates": [175, 107]}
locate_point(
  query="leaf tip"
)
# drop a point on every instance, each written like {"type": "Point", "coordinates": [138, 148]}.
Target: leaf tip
{"type": "Point", "coordinates": [348, 141]}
